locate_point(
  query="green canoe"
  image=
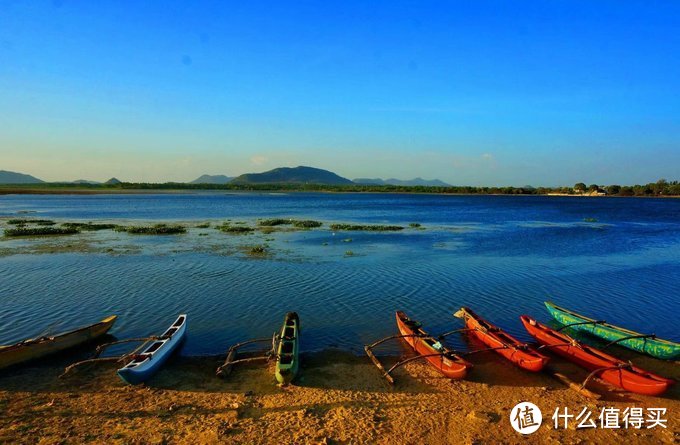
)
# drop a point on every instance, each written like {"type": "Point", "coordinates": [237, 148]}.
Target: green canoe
{"type": "Point", "coordinates": [646, 344]}
{"type": "Point", "coordinates": [288, 360]}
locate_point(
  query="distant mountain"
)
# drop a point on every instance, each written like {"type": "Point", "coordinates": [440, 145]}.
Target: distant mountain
{"type": "Point", "coordinates": [409, 182]}
{"type": "Point", "coordinates": [17, 178]}
{"type": "Point", "coordinates": [85, 181]}
{"type": "Point", "coordinates": [212, 179]}
{"type": "Point", "coordinates": [297, 175]}
{"type": "Point", "coordinates": [113, 181]}
{"type": "Point", "coordinates": [371, 181]}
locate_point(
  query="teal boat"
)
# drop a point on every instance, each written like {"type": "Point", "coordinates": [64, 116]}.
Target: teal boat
{"type": "Point", "coordinates": [287, 357]}
{"type": "Point", "coordinates": [644, 343]}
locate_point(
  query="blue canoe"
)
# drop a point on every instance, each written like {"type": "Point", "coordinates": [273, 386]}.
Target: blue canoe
{"type": "Point", "coordinates": [148, 362]}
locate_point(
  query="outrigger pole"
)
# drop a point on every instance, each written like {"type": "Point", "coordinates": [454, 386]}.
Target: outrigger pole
{"type": "Point", "coordinates": [229, 362]}
{"type": "Point", "coordinates": [119, 358]}
{"type": "Point", "coordinates": [387, 373]}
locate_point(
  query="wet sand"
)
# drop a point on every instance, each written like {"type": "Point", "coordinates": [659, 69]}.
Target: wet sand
{"type": "Point", "coordinates": [338, 398]}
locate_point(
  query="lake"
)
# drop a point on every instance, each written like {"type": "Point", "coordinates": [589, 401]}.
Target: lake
{"type": "Point", "coordinates": [613, 259]}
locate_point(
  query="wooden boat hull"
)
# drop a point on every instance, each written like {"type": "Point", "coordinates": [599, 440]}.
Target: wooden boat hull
{"type": "Point", "coordinates": [151, 360]}
{"type": "Point", "coordinates": [448, 363]}
{"type": "Point", "coordinates": [508, 346]}
{"type": "Point", "coordinates": [288, 353]}
{"type": "Point", "coordinates": [32, 349]}
{"type": "Point", "coordinates": [656, 347]}
{"type": "Point", "coordinates": [631, 379]}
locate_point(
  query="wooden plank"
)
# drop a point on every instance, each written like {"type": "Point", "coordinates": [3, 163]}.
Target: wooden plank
{"type": "Point", "coordinates": [377, 363]}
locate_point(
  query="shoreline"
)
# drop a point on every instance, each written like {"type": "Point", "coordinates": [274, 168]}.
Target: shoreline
{"type": "Point", "coordinates": [85, 191]}
{"type": "Point", "coordinates": [339, 398]}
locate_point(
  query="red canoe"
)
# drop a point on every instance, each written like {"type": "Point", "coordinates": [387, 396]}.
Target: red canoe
{"type": "Point", "coordinates": [447, 362]}
{"type": "Point", "coordinates": [508, 346]}
{"type": "Point", "coordinates": [626, 376]}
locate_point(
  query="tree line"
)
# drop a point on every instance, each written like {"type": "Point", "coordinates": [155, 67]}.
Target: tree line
{"type": "Point", "coordinates": [658, 188]}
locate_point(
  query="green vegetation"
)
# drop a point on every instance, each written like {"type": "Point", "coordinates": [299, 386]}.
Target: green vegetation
{"type": "Point", "coordinates": [89, 226]}
{"type": "Point", "coordinates": [158, 229]}
{"type": "Point", "coordinates": [306, 224]}
{"type": "Point", "coordinates": [258, 250]}
{"type": "Point", "coordinates": [203, 226]}
{"type": "Point", "coordinates": [274, 222]}
{"type": "Point", "coordinates": [40, 231]}
{"type": "Point", "coordinates": [365, 227]}
{"type": "Point", "coordinates": [236, 230]}
{"type": "Point", "coordinates": [414, 225]}
{"type": "Point", "coordinates": [300, 224]}
{"type": "Point", "coordinates": [40, 222]}
{"type": "Point", "coordinates": [659, 188]}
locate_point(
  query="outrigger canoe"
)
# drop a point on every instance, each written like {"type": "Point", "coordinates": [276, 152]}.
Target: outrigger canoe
{"type": "Point", "coordinates": [644, 343]}
{"type": "Point", "coordinates": [35, 348]}
{"type": "Point", "coordinates": [439, 356]}
{"type": "Point", "coordinates": [610, 369]}
{"type": "Point", "coordinates": [288, 353]}
{"type": "Point", "coordinates": [147, 363]}
{"type": "Point", "coordinates": [503, 343]}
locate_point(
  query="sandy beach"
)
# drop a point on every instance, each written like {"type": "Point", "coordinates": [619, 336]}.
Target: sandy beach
{"type": "Point", "coordinates": [339, 398]}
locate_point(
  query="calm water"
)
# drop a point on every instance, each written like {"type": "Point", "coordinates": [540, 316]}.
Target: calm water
{"type": "Point", "coordinates": [503, 256]}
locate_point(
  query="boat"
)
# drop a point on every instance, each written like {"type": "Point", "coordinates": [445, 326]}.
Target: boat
{"type": "Point", "coordinates": [619, 373]}
{"type": "Point", "coordinates": [644, 343]}
{"type": "Point", "coordinates": [503, 343]}
{"type": "Point", "coordinates": [439, 356]}
{"type": "Point", "coordinates": [288, 351]}
{"type": "Point", "coordinates": [151, 359]}
{"type": "Point", "coordinates": [43, 346]}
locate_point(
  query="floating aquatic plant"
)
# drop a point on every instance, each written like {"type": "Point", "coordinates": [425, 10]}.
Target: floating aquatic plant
{"type": "Point", "coordinates": [365, 227]}
{"type": "Point", "coordinates": [158, 229]}
{"type": "Point", "coordinates": [228, 228]}
{"type": "Point", "coordinates": [22, 221]}
{"type": "Point", "coordinates": [40, 231]}
{"type": "Point", "coordinates": [89, 226]}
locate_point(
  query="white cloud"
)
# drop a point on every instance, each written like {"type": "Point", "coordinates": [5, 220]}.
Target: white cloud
{"type": "Point", "coordinates": [259, 159]}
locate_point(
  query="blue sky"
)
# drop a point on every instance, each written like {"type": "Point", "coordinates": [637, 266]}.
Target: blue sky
{"type": "Point", "coordinates": [480, 93]}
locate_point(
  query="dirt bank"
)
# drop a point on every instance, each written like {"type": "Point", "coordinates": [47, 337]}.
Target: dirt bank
{"type": "Point", "coordinates": [339, 398]}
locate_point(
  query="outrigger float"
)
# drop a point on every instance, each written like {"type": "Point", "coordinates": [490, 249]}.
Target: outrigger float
{"type": "Point", "coordinates": [285, 349]}
{"type": "Point", "coordinates": [146, 359]}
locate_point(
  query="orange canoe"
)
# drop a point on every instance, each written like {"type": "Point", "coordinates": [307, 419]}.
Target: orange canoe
{"type": "Point", "coordinates": [611, 369]}
{"type": "Point", "coordinates": [503, 343]}
{"type": "Point", "coordinates": [440, 357]}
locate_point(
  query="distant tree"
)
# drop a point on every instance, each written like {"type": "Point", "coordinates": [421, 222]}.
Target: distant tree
{"type": "Point", "coordinates": [593, 188]}
{"type": "Point", "coordinates": [661, 187]}
{"type": "Point", "coordinates": [580, 187]}
{"type": "Point", "coordinates": [613, 189]}
{"type": "Point", "coordinates": [626, 191]}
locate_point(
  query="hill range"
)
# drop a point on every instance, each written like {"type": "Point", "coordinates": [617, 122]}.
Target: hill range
{"type": "Point", "coordinates": [282, 175]}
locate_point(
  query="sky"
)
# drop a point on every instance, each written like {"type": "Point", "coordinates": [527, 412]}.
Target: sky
{"type": "Point", "coordinates": [473, 93]}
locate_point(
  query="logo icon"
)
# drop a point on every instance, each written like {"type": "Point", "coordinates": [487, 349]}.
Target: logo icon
{"type": "Point", "coordinates": [526, 418]}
